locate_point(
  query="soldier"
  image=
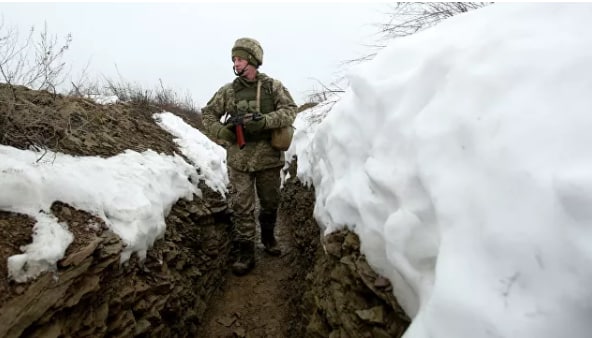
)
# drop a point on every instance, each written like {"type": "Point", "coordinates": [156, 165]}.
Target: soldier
{"type": "Point", "coordinates": [253, 170]}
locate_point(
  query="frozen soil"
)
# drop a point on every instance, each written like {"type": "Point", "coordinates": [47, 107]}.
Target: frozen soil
{"type": "Point", "coordinates": [185, 287]}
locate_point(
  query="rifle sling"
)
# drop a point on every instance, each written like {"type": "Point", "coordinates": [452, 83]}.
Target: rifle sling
{"type": "Point", "coordinates": [258, 97]}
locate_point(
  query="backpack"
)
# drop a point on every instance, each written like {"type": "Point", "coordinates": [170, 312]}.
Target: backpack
{"type": "Point", "coordinates": [281, 138]}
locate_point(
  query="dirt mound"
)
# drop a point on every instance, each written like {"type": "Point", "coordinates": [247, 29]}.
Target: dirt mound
{"type": "Point", "coordinates": [75, 126]}
{"type": "Point", "coordinates": [91, 294]}
{"type": "Point", "coordinates": [79, 126]}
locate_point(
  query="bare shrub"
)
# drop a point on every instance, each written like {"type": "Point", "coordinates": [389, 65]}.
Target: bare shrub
{"type": "Point", "coordinates": [325, 92]}
{"type": "Point", "coordinates": [407, 18]}
{"type": "Point", "coordinates": [83, 86]}
{"type": "Point", "coordinates": [403, 19]}
{"type": "Point", "coordinates": [127, 91]}
{"type": "Point", "coordinates": [160, 96]}
{"type": "Point", "coordinates": [35, 61]}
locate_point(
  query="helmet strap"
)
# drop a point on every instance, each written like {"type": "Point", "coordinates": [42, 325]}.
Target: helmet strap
{"type": "Point", "coordinates": [239, 73]}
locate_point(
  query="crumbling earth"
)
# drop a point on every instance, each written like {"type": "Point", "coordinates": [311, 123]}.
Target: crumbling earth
{"type": "Point", "coordinates": [318, 287]}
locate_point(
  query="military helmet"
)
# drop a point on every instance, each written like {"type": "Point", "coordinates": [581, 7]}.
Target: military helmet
{"type": "Point", "coordinates": [248, 49]}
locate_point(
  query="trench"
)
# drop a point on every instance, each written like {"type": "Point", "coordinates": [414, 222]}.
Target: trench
{"type": "Point", "coordinates": [257, 304]}
{"type": "Point", "coordinates": [267, 302]}
{"type": "Point", "coordinates": [321, 286]}
{"type": "Point", "coordinates": [318, 287]}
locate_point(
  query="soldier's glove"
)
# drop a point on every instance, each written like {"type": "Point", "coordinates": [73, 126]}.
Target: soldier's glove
{"type": "Point", "coordinates": [253, 126]}
{"type": "Point", "coordinates": [226, 133]}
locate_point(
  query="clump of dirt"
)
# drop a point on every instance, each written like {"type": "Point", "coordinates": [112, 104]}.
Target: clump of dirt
{"type": "Point", "coordinates": [15, 231]}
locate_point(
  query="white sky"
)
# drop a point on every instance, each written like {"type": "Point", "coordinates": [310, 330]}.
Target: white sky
{"type": "Point", "coordinates": [188, 45]}
{"type": "Point", "coordinates": [460, 156]}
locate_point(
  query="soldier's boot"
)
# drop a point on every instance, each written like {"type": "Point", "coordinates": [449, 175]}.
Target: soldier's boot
{"type": "Point", "coordinates": [245, 258]}
{"type": "Point", "coordinates": [267, 222]}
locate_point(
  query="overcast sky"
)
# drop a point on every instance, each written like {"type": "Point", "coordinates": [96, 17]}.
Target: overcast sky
{"type": "Point", "coordinates": [188, 45]}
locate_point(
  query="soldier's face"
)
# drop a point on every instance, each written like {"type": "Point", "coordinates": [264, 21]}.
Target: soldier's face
{"type": "Point", "coordinates": [239, 63]}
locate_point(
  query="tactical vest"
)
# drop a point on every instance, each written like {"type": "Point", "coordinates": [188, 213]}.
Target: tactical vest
{"type": "Point", "coordinates": [245, 91]}
{"type": "Point", "coordinates": [249, 93]}
{"type": "Point", "coordinates": [258, 154]}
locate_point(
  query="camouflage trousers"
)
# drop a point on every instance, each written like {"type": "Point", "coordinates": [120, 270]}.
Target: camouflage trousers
{"type": "Point", "coordinates": [246, 187]}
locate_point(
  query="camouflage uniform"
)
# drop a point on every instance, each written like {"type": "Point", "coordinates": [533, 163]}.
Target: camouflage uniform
{"type": "Point", "coordinates": [275, 102]}
{"type": "Point", "coordinates": [255, 169]}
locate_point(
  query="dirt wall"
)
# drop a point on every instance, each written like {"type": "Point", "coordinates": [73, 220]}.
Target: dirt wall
{"type": "Point", "coordinates": [338, 294]}
{"type": "Point", "coordinates": [93, 295]}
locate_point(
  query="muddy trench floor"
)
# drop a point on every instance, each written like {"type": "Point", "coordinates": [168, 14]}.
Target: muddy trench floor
{"type": "Point", "coordinates": [257, 304]}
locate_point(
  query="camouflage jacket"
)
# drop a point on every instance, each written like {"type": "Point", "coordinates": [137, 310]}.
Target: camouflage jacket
{"type": "Point", "coordinates": [275, 102]}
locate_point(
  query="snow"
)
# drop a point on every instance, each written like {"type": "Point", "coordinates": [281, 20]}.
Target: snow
{"type": "Point", "coordinates": [461, 158]}
{"type": "Point", "coordinates": [104, 99]}
{"type": "Point", "coordinates": [199, 149]}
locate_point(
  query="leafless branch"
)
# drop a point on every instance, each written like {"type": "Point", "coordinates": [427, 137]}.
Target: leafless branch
{"type": "Point", "coordinates": [407, 18]}
{"type": "Point", "coordinates": [32, 62]}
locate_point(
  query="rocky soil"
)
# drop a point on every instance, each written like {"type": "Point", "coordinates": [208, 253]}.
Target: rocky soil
{"type": "Point", "coordinates": [91, 294]}
{"type": "Point", "coordinates": [319, 287]}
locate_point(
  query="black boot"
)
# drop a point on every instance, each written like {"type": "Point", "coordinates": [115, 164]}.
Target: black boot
{"type": "Point", "coordinates": [245, 258]}
{"type": "Point", "coordinates": [267, 222]}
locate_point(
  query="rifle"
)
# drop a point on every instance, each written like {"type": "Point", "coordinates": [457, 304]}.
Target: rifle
{"type": "Point", "coordinates": [238, 121]}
